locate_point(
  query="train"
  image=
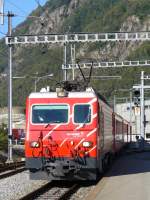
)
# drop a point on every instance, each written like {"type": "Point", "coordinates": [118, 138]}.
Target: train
{"type": "Point", "coordinates": [71, 134]}
{"type": "Point", "coordinates": [18, 135]}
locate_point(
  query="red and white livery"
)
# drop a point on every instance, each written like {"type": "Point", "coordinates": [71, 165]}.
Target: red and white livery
{"type": "Point", "coordinates": [71, 135]}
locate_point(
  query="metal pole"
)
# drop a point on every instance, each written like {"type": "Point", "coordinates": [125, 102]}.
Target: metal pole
{"type": "Point", "coordinates": [142, 107]}
{"type": "Point", "coordinates": [75, 3]}
{"type": "Point", "coordinates": [65, 61]}
{"type": "Point", "coordinates": [37, 79]}
{"type": "Point", "coordinates": [35, 85]}
{"type": "Point", "coordinates": [10, 159]}
{"type": "Point", "coordinates": [2, 12]}
{"type": "Point", "coordinates": [130, 113]}
{"type": "Point", "coordinates": [114, 103]}
{"type": "Point", "coordinates": [73, 60]}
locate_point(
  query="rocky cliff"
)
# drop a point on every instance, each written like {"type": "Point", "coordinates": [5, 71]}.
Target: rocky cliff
{"type": "Point", "coordinates": [58, 16]}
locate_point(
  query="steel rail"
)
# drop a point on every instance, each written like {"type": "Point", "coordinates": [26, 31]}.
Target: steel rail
{"type": "Point", "coordinates": [11, 166]}
{"type": "Point", "coordinates": [69, 192]}
{"type": "Point", "coordinates": [52, 191]}
{"type": "Point", "coordinates": [9, 169]}
{"type": "Point", "coordinates": [34, 194]}
{"type": "Point", "coordinates": [11, 172]}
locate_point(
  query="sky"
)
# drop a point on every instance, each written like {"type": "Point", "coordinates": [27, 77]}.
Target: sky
{"type": "Point", "coordinates": [22, 8]}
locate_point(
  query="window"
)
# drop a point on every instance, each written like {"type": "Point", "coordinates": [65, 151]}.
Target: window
{"type": "Point", "coordinates": [82, 113]}
{"type": "Point", "coordinates": [42, 114]}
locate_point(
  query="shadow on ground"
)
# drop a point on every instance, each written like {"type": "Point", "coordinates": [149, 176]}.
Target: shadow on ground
{"type": "Point", "coordinates": [130, 163]}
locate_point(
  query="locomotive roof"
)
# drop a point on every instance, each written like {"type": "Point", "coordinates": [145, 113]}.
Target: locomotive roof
{"type": "Point", "coordinates": [88, 93]}
{"type": "Point", "coordinates": [85, 94]}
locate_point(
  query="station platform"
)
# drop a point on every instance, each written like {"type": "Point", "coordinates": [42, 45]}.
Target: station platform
{"type": "Point", "coordinates": [128, 179]}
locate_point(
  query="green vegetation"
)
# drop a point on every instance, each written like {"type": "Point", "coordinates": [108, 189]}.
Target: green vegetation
{"type": "Point", "coordinates": [106, 15]}
{"type": "Point", "coordinates": [3, 137]}
{"type": "Point", "coordinates": [54, 4]}
{"type": "Point", "coordinates": [91, 16]}
{"type": "Point", "coordinates": [143, 52]}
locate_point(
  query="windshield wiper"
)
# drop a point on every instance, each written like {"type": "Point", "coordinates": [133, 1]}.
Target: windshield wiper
{"type": "Point", "coordinates": [47, 125]}
{"type": "Point", "coordinates": [52, 123]}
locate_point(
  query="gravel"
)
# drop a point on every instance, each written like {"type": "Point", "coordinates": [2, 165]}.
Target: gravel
{"type": "Point", "coordinates": [17, 186]}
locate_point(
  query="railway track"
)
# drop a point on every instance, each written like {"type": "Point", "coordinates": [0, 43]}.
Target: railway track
{"type": "Point", "coordinates": [53, 191]}
{"type": "Point", "coordinates": [9, 169]}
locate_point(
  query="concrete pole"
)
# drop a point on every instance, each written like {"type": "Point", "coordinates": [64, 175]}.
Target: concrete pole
{"type": "Point", "coordinates": [10, 159]}
{"type": "Point", "coordinates": [142, 107]}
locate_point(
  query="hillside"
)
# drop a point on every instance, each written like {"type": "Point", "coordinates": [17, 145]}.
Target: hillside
{"type": "Point", "coordinates": [78, 16]}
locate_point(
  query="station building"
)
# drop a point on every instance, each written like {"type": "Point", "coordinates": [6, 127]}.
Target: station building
{"type": "Point", "coordinates": [124, 110]}
{"type": "Point", "coordinates": [18, 117]}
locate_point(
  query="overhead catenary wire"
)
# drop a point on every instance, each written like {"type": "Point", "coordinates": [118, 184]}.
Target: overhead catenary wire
{"type": "Point", "coordinates": [39, 5]}
{"type": "Point", "coordinates": [23, 11]}
{"type": "Point", "coordinates": [3, 33]}
{"type": "Point", "coordinates": [18, 8]}
{"type": "Point", "coordinates": [3, 54]}
{"type": "Point", "coordinates": [38, 2]}
{"type": "Point", "coordinates": [41, 11]}
{"type": "Point", "coordinates": [23, 16]}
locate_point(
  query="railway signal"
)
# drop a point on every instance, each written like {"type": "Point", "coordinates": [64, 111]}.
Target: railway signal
{"type": "Point", "coordinates": [137, 97]}
{"type": "Point", "coordinates": [141, 88]}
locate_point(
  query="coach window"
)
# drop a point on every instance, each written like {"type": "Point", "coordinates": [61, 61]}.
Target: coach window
{"type": "Point", "coordinates": [43, 114]}
{"type": "Point", "coordinates": [82, 113]}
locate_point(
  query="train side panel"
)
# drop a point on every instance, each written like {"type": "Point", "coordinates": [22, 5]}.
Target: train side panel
{"type": "Point", "coordinates": [106, 129]}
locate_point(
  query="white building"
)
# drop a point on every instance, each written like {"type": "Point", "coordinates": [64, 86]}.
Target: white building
{"type": "Point", "coordinates": [18, 117]}
{"type": "Point", "coordinates": [123, 109]}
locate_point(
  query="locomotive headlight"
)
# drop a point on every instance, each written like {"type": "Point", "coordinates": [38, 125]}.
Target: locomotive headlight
{"type": "Point", "coordinates": [35, 144]}
{"type": "Point", "coordinates": [87, 144]}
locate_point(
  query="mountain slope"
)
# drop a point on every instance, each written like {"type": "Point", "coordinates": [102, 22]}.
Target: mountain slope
{"type": "Point", "coordinates": [78, 16]}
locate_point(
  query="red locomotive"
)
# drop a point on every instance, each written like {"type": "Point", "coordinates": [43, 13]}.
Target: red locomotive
{"type": "Point", "coordinates": [71, 134]}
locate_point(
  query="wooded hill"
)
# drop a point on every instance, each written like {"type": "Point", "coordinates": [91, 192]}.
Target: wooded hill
{"type": "Point", "coordinates": [61, 16]}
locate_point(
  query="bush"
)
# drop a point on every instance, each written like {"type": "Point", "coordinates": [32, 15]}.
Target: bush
{"type": "Point", "coordinates": [3, 137]}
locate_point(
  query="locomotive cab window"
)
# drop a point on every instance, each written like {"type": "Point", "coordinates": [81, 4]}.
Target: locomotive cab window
{"type": "Point", "coordinates": [82, 113]}
{"type": "Point", "coordinates": [43, 114]}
